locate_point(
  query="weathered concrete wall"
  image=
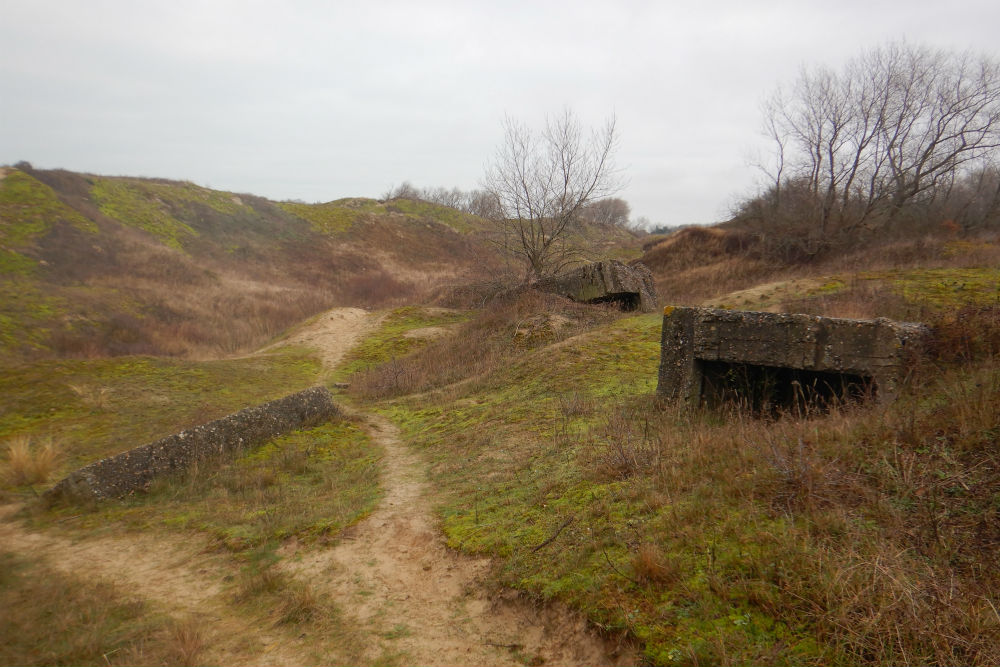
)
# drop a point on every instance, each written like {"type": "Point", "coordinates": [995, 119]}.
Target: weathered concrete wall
{"type": "Point", "coordinates": [631, 285]}
{"type": "Point", "coordinates": [133, 470]}
{"type": "Point", "coordinates": [874, 349]}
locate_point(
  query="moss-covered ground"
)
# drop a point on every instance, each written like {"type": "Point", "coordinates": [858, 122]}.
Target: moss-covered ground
{"type": "Point", "coordinates": [716, 537]}
{"type": "Point", "coordinates": [95, 408]}
{"type": "Point", "coordinates": [390, 342]}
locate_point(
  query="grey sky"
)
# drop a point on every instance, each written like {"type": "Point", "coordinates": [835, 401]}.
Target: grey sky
{"type": "Point", "coordinates": [321, 100]}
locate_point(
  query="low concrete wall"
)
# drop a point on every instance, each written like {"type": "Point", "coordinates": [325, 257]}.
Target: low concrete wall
{"type": "Point", "coordinates": [133, 470]}
{"type": "Point", "coordinates": [874, 349]}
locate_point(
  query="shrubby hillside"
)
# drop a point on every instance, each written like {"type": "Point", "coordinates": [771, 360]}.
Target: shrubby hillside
{"type": "Point", "coordinates": [94, 266]}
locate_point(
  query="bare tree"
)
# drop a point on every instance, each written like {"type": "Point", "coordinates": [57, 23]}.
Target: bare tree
{"type": "Point", "coordinates": [895, 128]}
{"type": "Point", "coordinates": [404, 190]}
{"type": "Point", "coordinates": [611, 212]}
{"type": "Point", "coordinates": [540, 182]}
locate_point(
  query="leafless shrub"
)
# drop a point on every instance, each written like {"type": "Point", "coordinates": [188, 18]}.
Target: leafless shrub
{"type": "Point", "coordinates": [627, 445]}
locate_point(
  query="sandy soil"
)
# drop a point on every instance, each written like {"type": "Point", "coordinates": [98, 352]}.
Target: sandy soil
{"type": "Point", "coordinates": [408, 595]}
{"type": "Point", "coordinates": [395, 574]}
{"type": "Point", "coordinates": [332, 334]}
{"type": "Point", "coordinates": [175, 575]}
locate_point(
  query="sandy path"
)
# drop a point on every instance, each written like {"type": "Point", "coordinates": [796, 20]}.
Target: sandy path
{"type": "Point", "coordinates": [332, 334]}
{"type": "Point", "coordinates": [173, 574]}
{"type": "Point", "coordinates": [394, 573]}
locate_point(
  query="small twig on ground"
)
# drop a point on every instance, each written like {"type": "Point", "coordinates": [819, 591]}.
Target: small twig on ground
{"type": "Point", "coordinates": [617, 571]}
{"type": "Point", "coordinates": [511, 647]}
{"type": "Point", "coordinates": [554, 535]}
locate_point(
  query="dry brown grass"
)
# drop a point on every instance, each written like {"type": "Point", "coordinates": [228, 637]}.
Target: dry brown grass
{"type": "Point", "coordinates": [93, 396]}
{"type": "Point", "coordinates": [652, 566]}
{"type": "Point", "coordinates": [503, 328]}
{"type": "Point", "coordinates": [185, 643]}
{"type": "Point", "coordinates": [29, 462]}
{"type": "Point", "coordinates": [697, 264]}
{"type": "Point", "coordinates": [889, 546]}
{"type": "Point", "coordinates": [50, 618]}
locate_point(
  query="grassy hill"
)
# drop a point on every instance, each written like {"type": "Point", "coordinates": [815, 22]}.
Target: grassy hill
{"type": "Point", "coordinates": [93, 265]}
{"type": "Point", "coordinates": [863, 536]}
{"type": "Point", "coordinates": [866, 535]}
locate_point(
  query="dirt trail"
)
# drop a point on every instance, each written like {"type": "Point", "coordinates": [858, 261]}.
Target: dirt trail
{"type": "Point", "coordinates": [173, 574]}
{"type": "Point", "coordinates": [413, 600]}
{"type": "Point", "coordinates": [332, 334]}
{"type": "Point", "coordinates": [395, 574]}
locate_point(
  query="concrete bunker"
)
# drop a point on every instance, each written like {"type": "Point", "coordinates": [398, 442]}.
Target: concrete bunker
{"type": "Point", "coordinates": [770, 363]}
{"type": "Point", "coordinates": [629, 286]}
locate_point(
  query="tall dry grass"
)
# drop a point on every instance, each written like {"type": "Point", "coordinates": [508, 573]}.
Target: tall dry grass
{"type": "Point", "coordinates": [890, 546]}
{"type": "Point", "coordinates": [29, 462]}
{"type": "Point", "coordinates": [503, 328]}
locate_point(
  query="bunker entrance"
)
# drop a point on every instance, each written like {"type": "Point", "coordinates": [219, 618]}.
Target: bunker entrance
{"type": "Point", "coordinates": [770, 391]}
{"type": "Point", "coordinates": [626, 301]}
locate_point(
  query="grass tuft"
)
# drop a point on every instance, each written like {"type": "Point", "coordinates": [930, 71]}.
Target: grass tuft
{"type": "Point", "coordinates": [29, 463]}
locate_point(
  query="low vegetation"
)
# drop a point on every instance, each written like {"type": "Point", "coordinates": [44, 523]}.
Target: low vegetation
{"type": "Point", "coordinates": [60, 415]}
{"type": "Point", "coordinates": [96, 266]}
{"type": "Point", "coordinates": [863, 535]}
{"type": "Point", "coordinates": [62, 620]}
{"type": "Point", "coordinates": [29, 463]}
{"type": "Point", "coordinates": [309, 485]}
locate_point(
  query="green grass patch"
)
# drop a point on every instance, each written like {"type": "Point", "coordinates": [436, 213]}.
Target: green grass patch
{"type": "Point", "coordinates": [711, 537]}
{"type": "Point", "coordinates": [947, 288]}
{"type": "Point", "coordinates": [142, 205]}
{"type": "Point", "coordinates": [26, 317]}
{"type": "Point", "coordinates": [330, 218]}
{"type": "Point", "coordinates": [28, 209]}
{"type": "Point", "coordinates": [463, 223]}
{"type": "Point", "coordinates": [309, 484]}
{"type": "Point", "coordinates": [95, 408]}
{"type": "Point", "coordinates": [390, 342]}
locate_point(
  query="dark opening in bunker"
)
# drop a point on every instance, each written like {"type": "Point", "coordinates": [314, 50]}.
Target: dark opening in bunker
{"type": "Point", "coordinates": [626, 301]}
{"type": "Point", "coordinates": [772, 391]}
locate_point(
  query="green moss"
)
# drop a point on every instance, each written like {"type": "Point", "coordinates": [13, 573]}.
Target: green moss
{"type": "Point", "coordinates": [512, 457]}
{"type": "Point", "coordinates": [141, 205]}
{"type": "Point", "coordinates": [95, 408]}
{"type": "Point", "coordinates": [949, 287]}
{"type": "Point", "coordinates": [28, 209]}
{"type": "Point", "coordinates": [463, 223]}
{"type": "Point", "coordinates": [330, 218]}
{"type": "Point", "coordinates": [26, 316]}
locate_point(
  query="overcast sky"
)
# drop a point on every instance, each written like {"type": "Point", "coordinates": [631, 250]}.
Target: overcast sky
{"type": "Point", "coordinates": [322, 100]}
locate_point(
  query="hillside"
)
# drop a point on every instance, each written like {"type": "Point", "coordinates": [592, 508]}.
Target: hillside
{"type": "Point", "coordinates": [523, 435]}
{"type": "Point", "coordinates": [94, 266]}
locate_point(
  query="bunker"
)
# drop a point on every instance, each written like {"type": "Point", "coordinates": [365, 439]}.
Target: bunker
{"type": "Point", "coordinates": [773, 362]}
{"type": "Point", "coordinates": [629, 286]}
